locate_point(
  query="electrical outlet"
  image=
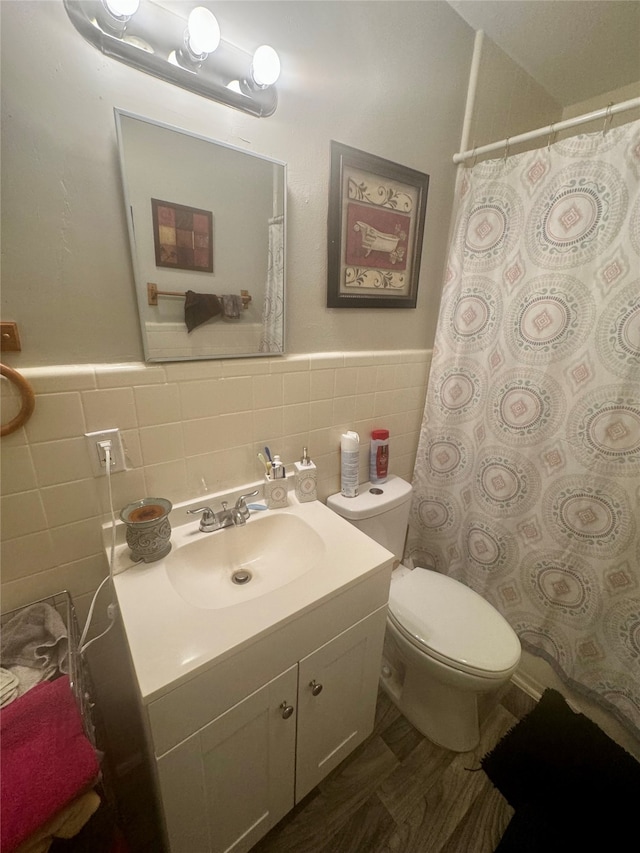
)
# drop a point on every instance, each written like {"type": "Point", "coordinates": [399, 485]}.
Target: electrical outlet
{"type": "Point", "coordinates": [97, 452]}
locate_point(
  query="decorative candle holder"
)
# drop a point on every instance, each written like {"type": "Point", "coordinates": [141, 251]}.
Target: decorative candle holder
{"type": "Point", "coordinates": [148, 528]}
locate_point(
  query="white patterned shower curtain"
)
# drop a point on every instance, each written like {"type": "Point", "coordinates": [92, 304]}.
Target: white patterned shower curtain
{"type": "Point", "coordinates": [273, 311]}
{"type": "Point", "coordinates": [527, 478]}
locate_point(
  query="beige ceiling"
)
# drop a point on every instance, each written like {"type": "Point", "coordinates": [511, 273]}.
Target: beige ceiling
{"type": "Point", "coordinates": [575, 49]}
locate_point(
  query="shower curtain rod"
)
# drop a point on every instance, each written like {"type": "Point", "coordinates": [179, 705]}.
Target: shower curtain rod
{"type": "Point", "coordinates": [605, 113]}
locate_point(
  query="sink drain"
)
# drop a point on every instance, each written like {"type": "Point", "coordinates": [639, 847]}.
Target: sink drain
{"type": "Point", "coordinates": [241, 576]}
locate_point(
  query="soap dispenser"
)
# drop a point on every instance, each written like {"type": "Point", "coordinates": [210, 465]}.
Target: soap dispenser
{"type": "Point", "coordinates": [306, 479]}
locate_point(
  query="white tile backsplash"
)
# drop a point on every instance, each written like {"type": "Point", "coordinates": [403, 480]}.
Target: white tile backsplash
{"type": "Point", "coordinates": [161, 443]}
{"type": "Point", "coordinates": [322, 384]}
{"type": "Point", "coordinates": [108, 408]}
{"type": "Point", "coordinates": [73, 501]}
{"type": "Point", "coordinates": [296, 388]}
{"type": "Point", "coordinates": [25, 555]}
{"type": "Point", "coordinates": [200, 398]}
{"type": "Point", "coordinates": [157, 404]}
{"type": "Point", "coordinates": [16, 469]}
{"type": "Point", "coordinates": [267, 391]}
{"type": "Point", "coordinates": [56, 416]}
{"type": "Point", "coordinates": [189, 428]}
{"type": "Point", "coordinates": [22, 513]}
{"type": "Point", "coordinates": [61, 461]}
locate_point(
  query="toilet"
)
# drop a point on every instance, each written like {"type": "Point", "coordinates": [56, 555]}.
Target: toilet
{"type": "Point", "coordinates": [444, 644]}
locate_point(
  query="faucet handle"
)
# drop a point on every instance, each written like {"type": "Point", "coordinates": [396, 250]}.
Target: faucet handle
{"type": "Point", "coordinates": [208, 521]}
{"type": "Point", "coordinates": [241, 505]}
{"type": "Point", "coordinates": [206, 510]}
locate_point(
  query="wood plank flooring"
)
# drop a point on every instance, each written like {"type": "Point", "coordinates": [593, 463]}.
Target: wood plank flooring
{"type": "Point", "coordinates": [396, 793]}
{"type": "Point", "coordinates": [399, 793]}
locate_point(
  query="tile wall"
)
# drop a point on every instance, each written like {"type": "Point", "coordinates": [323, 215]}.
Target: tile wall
{"type": "Point", "coordinates": [189, 428]}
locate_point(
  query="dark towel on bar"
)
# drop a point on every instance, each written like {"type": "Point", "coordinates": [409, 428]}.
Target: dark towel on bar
{"type": "Point", "coordinates": [200, 307]}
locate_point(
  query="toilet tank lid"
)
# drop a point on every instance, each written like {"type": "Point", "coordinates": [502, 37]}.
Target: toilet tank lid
{"type": "Point", "coordinates": [373, 499]}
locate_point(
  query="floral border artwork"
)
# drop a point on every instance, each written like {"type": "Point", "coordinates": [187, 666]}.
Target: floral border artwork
{"type": "Point", "coordinates": [376, 223]}
{"type": "Point", "coordinates": [183, 236]}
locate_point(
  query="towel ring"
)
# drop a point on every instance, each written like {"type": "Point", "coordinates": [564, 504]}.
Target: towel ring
{"type": "Point", "coordinates": [27, 396]}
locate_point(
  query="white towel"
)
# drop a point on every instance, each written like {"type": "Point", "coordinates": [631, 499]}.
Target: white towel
{"type": "Point", "coordinates": [35, 637]}
{"type": "Point", "coordinates": [9, 685]}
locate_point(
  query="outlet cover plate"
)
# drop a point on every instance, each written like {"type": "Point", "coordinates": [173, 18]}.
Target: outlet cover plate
{"type": "Point", "coordinates": [97, 454]}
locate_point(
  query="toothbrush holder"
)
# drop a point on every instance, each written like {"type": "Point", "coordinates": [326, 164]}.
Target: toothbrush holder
{"type": "Point", "coordinates": [275, 493]}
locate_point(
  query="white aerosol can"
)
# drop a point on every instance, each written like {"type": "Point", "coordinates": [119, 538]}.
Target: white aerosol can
{"type": "Point", "coordinates": [349, 463]}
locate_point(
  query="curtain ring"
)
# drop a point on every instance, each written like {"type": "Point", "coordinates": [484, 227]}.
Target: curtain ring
{"type": "Point", "coordinates": [552, 135]}
{"type": "Point", "coordinates": [506, 148]}
{"type": "Point", "coordinates": [474, 156]}
{"type": "Point", "coordinates": [607, 118]}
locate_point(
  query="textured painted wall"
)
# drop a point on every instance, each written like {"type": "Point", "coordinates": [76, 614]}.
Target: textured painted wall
{"type": "Point", "coordinates": [386, 77]}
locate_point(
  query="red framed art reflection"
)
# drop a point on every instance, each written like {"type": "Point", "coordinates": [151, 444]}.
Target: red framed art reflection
{"type": "Point", "coordinates": [183, 236]}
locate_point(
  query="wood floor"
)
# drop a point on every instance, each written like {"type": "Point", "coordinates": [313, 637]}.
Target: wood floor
{"type": "Point", "coordinates": [399, 793]}
{"type": "Point", "coordinates": [396, 793]}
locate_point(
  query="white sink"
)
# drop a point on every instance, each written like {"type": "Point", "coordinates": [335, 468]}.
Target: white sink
{"type": "Point", "coordinates": [232, 566]}
{"type": "Point", "coordinates": [183, 613]}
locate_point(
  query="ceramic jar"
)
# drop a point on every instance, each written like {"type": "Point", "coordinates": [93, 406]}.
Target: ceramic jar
{"type": "Point", "coordinates": [148, 528]}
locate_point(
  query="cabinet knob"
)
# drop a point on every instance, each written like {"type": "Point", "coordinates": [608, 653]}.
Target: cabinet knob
{"type": "Point", "coordinates": [315, 687]}
{"type": "Point", "coordinates": [287, 710]}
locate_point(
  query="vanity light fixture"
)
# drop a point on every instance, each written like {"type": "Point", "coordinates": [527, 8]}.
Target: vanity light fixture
{"type": "Point", "coordinates": [186, 52]}
{"type": "Point", "coordinates": [265, 68]}
{"type": "Point", "coordinates": [201, 37]}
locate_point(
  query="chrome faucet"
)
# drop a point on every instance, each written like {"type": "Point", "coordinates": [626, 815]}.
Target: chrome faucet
{"type": "Point", "coordinates": [233, 517]}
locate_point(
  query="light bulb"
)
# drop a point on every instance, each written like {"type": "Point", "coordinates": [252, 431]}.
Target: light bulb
{"type": "Point", "coordinates": [265, 68]}
{"type": "Point", "coordinates": [203, 30]}
{"type": "Point", "coordinates": [122, 9]}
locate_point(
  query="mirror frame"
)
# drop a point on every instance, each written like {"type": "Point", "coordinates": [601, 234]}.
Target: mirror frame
{"type": "Point", "coordinates": [140, 280]}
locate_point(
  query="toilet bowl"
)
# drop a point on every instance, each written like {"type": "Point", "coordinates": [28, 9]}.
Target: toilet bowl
{"type": "Point", "coordinates": [444, 645]}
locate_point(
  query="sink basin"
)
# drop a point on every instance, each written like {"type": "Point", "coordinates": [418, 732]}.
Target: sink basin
{"type": "Point", "coordinates": [184, 615]}
{"type": "Point", "coordinates": [231, 566]}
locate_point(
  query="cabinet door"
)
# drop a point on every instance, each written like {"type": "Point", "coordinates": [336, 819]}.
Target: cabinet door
{"type": "Point", "coordinates": [228, 784]}
{"type": "Point", "coordinates": [334, 720]}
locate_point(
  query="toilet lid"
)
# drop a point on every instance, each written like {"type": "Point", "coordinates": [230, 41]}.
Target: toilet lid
{"type": "Point", "coordinates": [452, 622]}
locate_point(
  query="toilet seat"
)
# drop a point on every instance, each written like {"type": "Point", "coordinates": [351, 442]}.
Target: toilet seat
{"type": "Point", "coordinates": [448, 621]}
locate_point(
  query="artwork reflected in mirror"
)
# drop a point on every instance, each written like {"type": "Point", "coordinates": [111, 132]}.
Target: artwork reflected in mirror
{"type": "Point", "coordinates": [207, 229]}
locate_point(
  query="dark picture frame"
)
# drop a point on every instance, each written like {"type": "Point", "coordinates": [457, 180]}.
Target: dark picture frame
{"type": "Point", "coordinates": [182, 236]}
{"type": "Point", "coordinates": [377, 212]}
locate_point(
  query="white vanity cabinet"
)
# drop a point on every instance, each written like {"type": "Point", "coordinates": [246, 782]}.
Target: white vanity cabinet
{"type": "Point", "coordinates": [227, 784]}
{"type": "Point", "coordinates": [251, 694]}
{"type": "Point", "coordinates": [333, 720]}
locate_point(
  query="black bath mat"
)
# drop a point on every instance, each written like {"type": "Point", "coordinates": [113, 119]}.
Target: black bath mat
{"type": "Point", "coordinates": [571, 786]}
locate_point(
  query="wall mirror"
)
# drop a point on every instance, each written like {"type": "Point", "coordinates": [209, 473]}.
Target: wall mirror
{"type": "Point", "coordinates": [207, 232]}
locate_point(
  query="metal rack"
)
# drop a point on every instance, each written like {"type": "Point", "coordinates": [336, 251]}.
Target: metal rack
{"type": "Point", "coordinates": [78, 674]}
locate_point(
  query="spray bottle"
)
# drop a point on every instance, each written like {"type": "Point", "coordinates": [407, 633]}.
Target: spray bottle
{"type": "Point", "coordinates": [349, 464]}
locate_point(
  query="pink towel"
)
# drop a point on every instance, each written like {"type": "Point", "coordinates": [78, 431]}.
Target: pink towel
{"type": "Point", "coordinates": [46, 759]}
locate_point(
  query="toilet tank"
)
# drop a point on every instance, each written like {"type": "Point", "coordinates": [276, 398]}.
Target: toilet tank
{"type": "Point", "coordinates": [381, 510]}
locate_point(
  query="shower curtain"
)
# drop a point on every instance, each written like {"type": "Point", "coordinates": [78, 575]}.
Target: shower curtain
{"type": "Point", "coordinates": [273, 311]}
{"type": "Point", "coordinates": [527, 477]}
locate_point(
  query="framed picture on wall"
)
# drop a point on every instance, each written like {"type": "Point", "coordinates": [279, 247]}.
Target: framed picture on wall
{"type": "Point", "coordinates": [183, 236]}
{"type": "Point", "coordinates": [375, 229]}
